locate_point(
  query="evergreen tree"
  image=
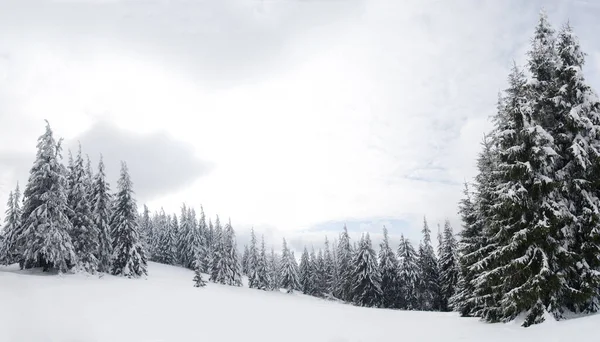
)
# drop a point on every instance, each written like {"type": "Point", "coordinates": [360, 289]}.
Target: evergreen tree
{"type": "Point", "coordinates": [288, 273]}
{"type": "Point", "coordinates": [129, 255]}
{"type": "Point", "coordinates": [252, 262]}
{"type": "Point", "coordinates": [245, 257]}
{"type": "Point", "coordinates": [329, 269]}
{"type": "Point", "coordinates": [198, 281]}
{"type": "Point", "coordinates": [9, 251]}
{"type": "Point", "coordinates": [578, 173]}
{"type": "Point", "coordinates": [409, 275]}
{"type": "Point", "coordinates": [101, 212]}
{"type": "Point", "coordinates": [366, 289]}
{"type": "Point", "coordinates": [263, 280]}
{"type": "Point", "coordinates": [84, 232]}
{"type": "Point", "coordinates": [429, 273]}
{"type": "Point", "coordinates": [234, 270]}
{"type": "Point", "coordinates": [305, 276]}
{"type": "Point", "coordinates": [344, 259]}
{"type": "Point", "coordinates": [146, 231]}
{"type": "Point", "coordinates": [204, 238]}
{"type": "Point", "coordinates": [190, 243]}
{"type": "Point", "coordinates": [273, 268]}
{"type": "Point", "coordinates": [448, 267]}
{"type": "Point", "coordinates": [45, 241]}
{"type": "Point", "coordinates": [321, 276]}
{"type": "Point", "coordinates": [390, 282]}
{"type": "Point", "coordinates": [217, 270]}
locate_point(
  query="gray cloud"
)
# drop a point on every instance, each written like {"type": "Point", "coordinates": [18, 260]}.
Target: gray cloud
{"type": "Point", "coordinates": [158, 164]}
{"type": "Point", "coordinates": [220, 41]}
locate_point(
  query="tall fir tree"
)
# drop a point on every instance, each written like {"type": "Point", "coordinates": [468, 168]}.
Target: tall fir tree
{"type": "Point", "coordinates": [409, 275]}
{"type": "Point", "coordinates": [344, 258]}
{"type": "Point", "coordinates": [45, 241]}
{"type": "Point", "coordinates": [9, 251]}
{"type": "Point", "coordinates": [273, 268]}
{"type": "Point", "coordinates": [288, 273]}
{"type": "Point", "coordinates": [577, 137]}
{"type": "Point", "coordinates": [101, 212]}
{"type": "Point", "coordinates": [448, 267]}
{"type": "Point", "coordinates": [263, 281]}
{"type": "Point", "coordinates": [388, 266]}
{"type": "Point", "coordinates": [84, 232]}
{"type": "Point", "coordinates": [365, 275]}
{"type": "Point", "coordinates": [252, 262]}
{"type": "Point", "coordinates": [245, 257]}
{"type": "Point", "coordinates": [305, 276]}
{"type": "Point", "coordinates": [129, 255]}
{"type": "Point", "coordinates": [146, 231]}
{"type": "Point", "coordinates": [429, 288]}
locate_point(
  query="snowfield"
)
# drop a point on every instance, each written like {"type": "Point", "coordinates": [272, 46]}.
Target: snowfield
{"type": "Point", "coordinates": [166, 307]}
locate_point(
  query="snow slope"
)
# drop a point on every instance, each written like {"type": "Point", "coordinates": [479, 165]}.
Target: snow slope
{"type": "Point", "coordinates": [166, 307]}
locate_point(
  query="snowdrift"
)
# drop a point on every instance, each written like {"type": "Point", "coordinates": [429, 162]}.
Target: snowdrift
{"type": "Point", "coordinates": [166, 307]}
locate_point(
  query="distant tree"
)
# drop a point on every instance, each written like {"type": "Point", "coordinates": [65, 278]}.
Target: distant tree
{"type": "Point", "coordinates": [430, 276]}
{"type": "Point", "coordinates": [366, 279]}
{"type": "Point", "coordinates": [390, 281]}
{"type": "Point", "coordinates": [288, 276]}
{"type": "Point", "coordinates": [9, 251]}
{"type": "Point", "coordinates": [305, 276]}
{"type": "Point", "coordinates": [448, 267]}
{"type": "Point", "coordinates": [409, 275]}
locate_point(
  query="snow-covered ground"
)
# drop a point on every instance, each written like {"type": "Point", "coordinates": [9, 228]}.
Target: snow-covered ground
{"type": "Point", "coordinates": [166, 307]}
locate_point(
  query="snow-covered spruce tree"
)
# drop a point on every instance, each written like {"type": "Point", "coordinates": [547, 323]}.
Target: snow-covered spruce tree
{"type": "Point", "coordinates": [101, 213]}
{"type": "Point", "coordinates": [198, 280]}
{"type": "Point", "coordinates": [388, 266]}
{"type": "Point", "coordinates": [45, 241]}
{"type": "Point", "coordinates": [409, 275]}
{"type": "Point", "coordinates": [165, 252]}
{"type": "Point", "coordinates": [217, 270]}
{"type": "Point", "coordinates": [343, 287]}
{"type": "Point", "coordinates": [234, 268]}
{"type": "Point", "coordinates": [288, 273]}
{"type": "Point", "coordinates": [470, 238]}
{"type": "Point", "coordinates": [9, 251]}
{"type": "Point", "coordinates": [429, 288]}
{"type": "Point", "coordinates": [366, 279]}
{"type": "Point", "coordinates": [263, 280]}
{"type": "Point", "coordinates": [577, 137]}
{"type": "Point", "coordinates": [84, 232]}
{"type": "Point", "coordinates": [305, 276]}
{"type": "Point", "coordinates": [204, 232]}
{"type": "Point", "coordinates": [521, 275]}
{"type": "Point", "coordinates": [174, 226]}
{"type": "Point", "coordinates": [190, 240]}
{"type": "Point", "coordinates": [129, 257]}
{"type": "Point", "coordinates": [252, 261]}
{"type": "Point", "coordinates": [273, 268]}
{"type": "Point", "coordinates": [146, 231]}
{"type": "Point", "coordinates": [329, 269]}
{"type": "Point", "coordinates": [245, 257]}
{"type": "Point", "coordinates": [321, 275]}
{"type": "Point", "coordinates": [448, 267]}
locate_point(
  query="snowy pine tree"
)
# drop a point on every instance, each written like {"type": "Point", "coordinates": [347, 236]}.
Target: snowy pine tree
{"type": "Point", "coordinates": [252, 262]}
{"type": "Point", "coordinates": [9, 250]}
{"type": "Point", "coordinates": [390, 282]}
{"type": "Point", "coordinates": [344, 259]}
{"type": "Point", "coordinates": [146, 231]}
{"type": "Point", "coordinates": [305, 276]}
{"type": "Point", "coordinates": [101, 212]}
{"type": "Point", "coordinates": [84, 232]}
{"type": "Point", "coordinates": [263, 279]}
{"type": "Point", "coordinates": [129, 258]}
{"type": "Point", "coordinates": [288, 273]}
{"type": "Point", "coordinates": [45, 241]}
{"type": "Point", "coordinates": [409, 275]}
{"type": "Point", "coordinates": [366, 279]}
{"type": "Point", "coordinates": [429, 288]}
{"type": "Point", "coordinates": [448, 267]}
{"type": "Point", "coordinates": [273, 268]}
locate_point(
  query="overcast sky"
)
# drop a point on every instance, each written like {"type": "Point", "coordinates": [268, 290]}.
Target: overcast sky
{"type": "Point", "coordinates": [292, 116]}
